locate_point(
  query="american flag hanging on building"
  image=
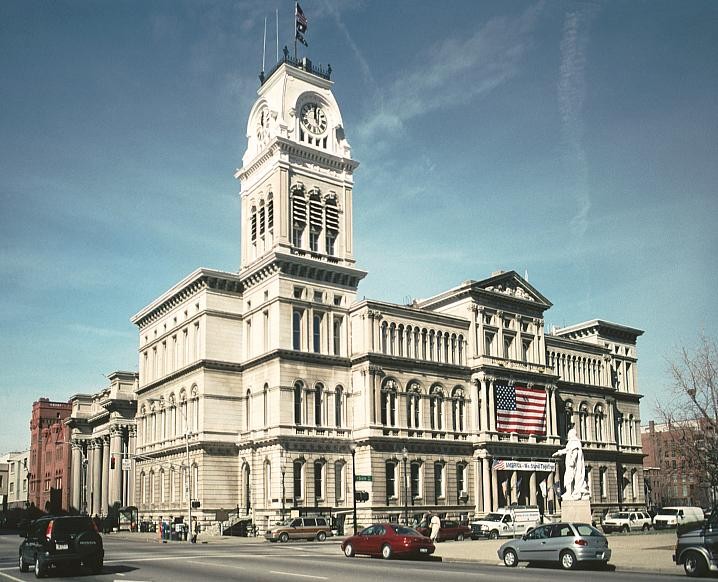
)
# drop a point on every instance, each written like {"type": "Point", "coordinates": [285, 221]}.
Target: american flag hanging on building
{"type": "Point", "coordinates": [520, 410]}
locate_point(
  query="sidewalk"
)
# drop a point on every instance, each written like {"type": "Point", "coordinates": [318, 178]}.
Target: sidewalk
{"type": "Point", "coordinates": [649, 552]}
{"type": "Point", "coordinates": [640, 552]}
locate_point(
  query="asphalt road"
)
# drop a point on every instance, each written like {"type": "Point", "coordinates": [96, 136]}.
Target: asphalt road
{"type": "Point", "coordinates": [138, 561]}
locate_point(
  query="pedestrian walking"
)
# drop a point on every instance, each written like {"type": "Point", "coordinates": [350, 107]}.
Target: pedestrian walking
{"type": "Point", "coordinates": [435, 527]}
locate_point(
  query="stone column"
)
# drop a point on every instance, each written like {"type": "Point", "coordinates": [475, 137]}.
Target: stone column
{"type": "Point", "coordinates": [492, 409]}
{"type": "Point", "coordinates": [478, 485]}
{"type": "Point", "coordinates": [494, 490]}
{"type": "Point", "coordinates": [116, 473]}
{"type": "Point", "coordinates": [76, 470]}
{"type": "Point", "coordinates": [532, 489]}
{"type": "Point", "coordinates": [96, 492]}
{"type": "Point", "coordinates": [484, 387]}
{"type": "Point", "coordinates": [486, 479]}
{"type": "Point", "coordinates": [477, 407]}
{"type": "Point", "coordinates": [105, 473]}
{"type": "Point", "coordinates": [132, 438]}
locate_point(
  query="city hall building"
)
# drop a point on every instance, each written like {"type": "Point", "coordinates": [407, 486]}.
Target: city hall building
{"type": "Point", "coordinates": [263, 391]}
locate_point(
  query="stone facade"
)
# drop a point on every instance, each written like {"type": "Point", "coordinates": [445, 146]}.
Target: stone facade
{"type": "Point", "coordinates": [103, 436]}
{"type": "Point", "coordinates": [17, 485]}
{"type": "Point", "coordinates": [261, 391]}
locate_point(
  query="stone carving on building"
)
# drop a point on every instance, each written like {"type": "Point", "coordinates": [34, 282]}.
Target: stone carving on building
{"type": "Point", "coordinates": [508, 289]}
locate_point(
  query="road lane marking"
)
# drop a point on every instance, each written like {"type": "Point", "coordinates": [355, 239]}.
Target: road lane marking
{"type": "Point", "coordinates": [216, 565]}
{"type": "Point", "coordinates": [298, 575]}
{"type": "Point", "coordinates": [11, 577]}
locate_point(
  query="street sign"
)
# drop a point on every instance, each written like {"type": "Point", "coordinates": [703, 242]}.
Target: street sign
{"type": "Point", "coordinates": [127, 464]}
{"type": "Point", "coordinates": [363, 477]}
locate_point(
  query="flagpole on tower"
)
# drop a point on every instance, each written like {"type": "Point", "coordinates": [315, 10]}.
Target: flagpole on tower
{"type": "Point", "coordinates": [264, 43]}
{"type": "Point", "coordinates": [276, 20]}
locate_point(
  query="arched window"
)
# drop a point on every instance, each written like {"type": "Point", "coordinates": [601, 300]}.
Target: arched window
{"type": "Point", "coordinates": [317, 333]}
{"type": "Point", "coordinates": [195, 409]}
{"type": "Point", "coordinates": [270, 212]}
{"type": "Point", "coordinates": [583, 422]}
{"type": "Point", "coordinates": [391, 488]}
{"type": "Point", "coordinates": [439, 481]}
{"type": "Point", "coordinates": [338, 406]}
{"type": "Point", "coordinates": [383, 337]}
{"type": "Point", "coordinates": [265, 405]}
{"type": "Point", "coordinates": [162, 486]}
{"type": "Point", "coordinates": [298, 389]}
{"type": "Point", "coordinates": [631, 430]}
{"type": "Point", "coordinates": [332, 224]}
{"type": "Point", "coordinates": [173, 485]}
{"type": "Point", "coordinates": [299, 215]}
{"type": "Point", "coordinates": [267, 483]}
{"type": "Point", "coordinates": [319, 482]}
{"type": "Point", "coordinates": [195, 481]}
{"type": "Point", "coordinates": [315, 220]}
{"type": "Point", "coordinates": [339, 481]}
{"type": "Point", "coordinates": [413, 408]}
{"type": "Point", "coordinates": [461, 481]}
{"type": "Point", "coordinates": [458, 405]}
{"type": "Point", "coordinates": [253, 224]}
{"type": "Point", "coordinates": [568, 417]}
{"type": "Point", "coordinates": [460, 343]}
{"type": "Point", "coordinates": [436, 406]}
{"type": "Point", "coordinates": [415, 480]}
{"type": "Point", "coordinates": [262, 218]}
{"type": "Point", "coordinates": [598, 423]}
{"type": "Point", "coordinates": [318, 396]}
{"type": "Point", "coordinates": [388, 402]}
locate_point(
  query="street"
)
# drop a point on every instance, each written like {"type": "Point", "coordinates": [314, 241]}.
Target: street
{"type": "Point", "coordinates": [134, 561]}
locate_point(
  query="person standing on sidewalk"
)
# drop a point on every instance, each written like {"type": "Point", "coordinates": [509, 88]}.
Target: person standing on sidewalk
{"type": "Point", "coordinates": [435, 527]}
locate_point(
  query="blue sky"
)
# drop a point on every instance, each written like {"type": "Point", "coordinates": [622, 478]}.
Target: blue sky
{"type": "Point", "coordinates": [576, 141]}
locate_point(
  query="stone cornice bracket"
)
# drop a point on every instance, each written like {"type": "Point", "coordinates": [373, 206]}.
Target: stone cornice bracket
{"type": "Point", "coordinates": [116, 430]}
{"type": "Point", "coordinates": [376, 370]}
{"type": "Point", "coordinates": [475, 308]}
{"type": "Point", "coordinates": [374, 314]}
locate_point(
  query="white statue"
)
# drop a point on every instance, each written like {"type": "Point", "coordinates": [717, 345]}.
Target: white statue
{"type": "Point", "coordinates": [574, 478]}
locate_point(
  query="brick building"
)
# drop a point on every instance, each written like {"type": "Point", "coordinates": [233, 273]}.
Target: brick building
{"type": "Point", "coordinates": [49, 456]}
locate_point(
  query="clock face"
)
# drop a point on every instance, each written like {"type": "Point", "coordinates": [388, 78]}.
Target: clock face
{"type": "Point", "coordinates": [313, 118]}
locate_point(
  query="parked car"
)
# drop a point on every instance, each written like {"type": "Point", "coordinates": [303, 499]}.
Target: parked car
{"type": "Point", "coordinates": [626, 521]}
{"type": "Point", "coordinates": [696, 548]}
{"type": "Point", "coordinates": [449, 530]}
{"type": "Point", "coordinates": [507, 522]}
{"type": "Point", "coordinates": [672, 517]}
{"type": "Point", "coordinates": [61, 541]}
{"type": "Point", "coordinates": [388, 540]}
{"type": "Point", "coordinates": [300, 528]}
{"type": "Point", "coordinates": [565, 543]}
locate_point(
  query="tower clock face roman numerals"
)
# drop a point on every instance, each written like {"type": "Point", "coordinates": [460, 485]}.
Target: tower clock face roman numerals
{"type": "Point", "coordinates": [313, 118]}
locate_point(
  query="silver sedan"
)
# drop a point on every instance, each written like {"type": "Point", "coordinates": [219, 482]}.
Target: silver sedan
{"type": "Point", "coordinates": [565, 543]}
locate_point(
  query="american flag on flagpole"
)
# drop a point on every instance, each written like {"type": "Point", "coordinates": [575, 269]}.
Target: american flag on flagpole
{"type": "Point", "coordinates": [521, 410]}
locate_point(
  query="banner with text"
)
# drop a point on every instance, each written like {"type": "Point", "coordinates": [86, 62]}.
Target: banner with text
{"type": "Point", "coordinates": [509, 465]}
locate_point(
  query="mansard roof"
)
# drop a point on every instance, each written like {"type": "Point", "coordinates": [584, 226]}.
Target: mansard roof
{"type": "Point", "coordinates": [601, 328]}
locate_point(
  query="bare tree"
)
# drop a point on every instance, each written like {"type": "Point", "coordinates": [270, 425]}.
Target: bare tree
{"type": "Point", "coordinates": [692, 413]}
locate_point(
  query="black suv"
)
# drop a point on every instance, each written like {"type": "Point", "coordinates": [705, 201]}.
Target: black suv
{"type": "Point", "coordinates": [697, 547]}
{"type": "Point", "coordinates": [61, 541]}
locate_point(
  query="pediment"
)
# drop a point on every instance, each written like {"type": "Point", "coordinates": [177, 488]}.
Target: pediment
{"type": "Point", "coordinates": [511, 284]}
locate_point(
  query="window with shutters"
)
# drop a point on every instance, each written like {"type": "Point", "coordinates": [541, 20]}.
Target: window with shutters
{"type": "Point", "coordinates": [270, 213]}
{"type": "Point", "coordinates": [299, 216]}
{"type": "Point", "coordinates": [262, 217]}
{"type": "Point", "coordinates": [316, 216]}
{"type": "Point", "coordinates": [253, 225]}
{"type": "Point", "coordinates": [332, 224]}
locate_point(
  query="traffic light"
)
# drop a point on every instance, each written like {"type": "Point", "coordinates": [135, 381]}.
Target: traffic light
{"type": "Point", "coordinates": [112, 462]}
{"type": "Point", "coordinates": [195, 505]}
{"type": "Point", "coordinates": [361, 496]}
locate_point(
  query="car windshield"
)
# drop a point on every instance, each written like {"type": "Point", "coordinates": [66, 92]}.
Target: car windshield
{"type": "Point", "coordinates": [493, 517]}
{"type": "Point", "coordinates": [668, 512]}
{"type": "Point", "coordinates": [621, 515]}
{"type": "Point", "coordinates": [586, 530]}
{"type": "Point", "coordinates": [70, 525]}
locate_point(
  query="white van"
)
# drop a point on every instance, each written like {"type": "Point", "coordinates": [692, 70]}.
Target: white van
{"type": "Point", "coordinates": [506, 522]}
{"type": "Point", "coordinates": [674, 516]}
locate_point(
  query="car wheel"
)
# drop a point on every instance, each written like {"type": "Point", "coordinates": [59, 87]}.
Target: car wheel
{"type": "Point", "coordinates": [646, 527]}
{"type": "Point", "coordinates": [40, 568]}
{"type": "Point", "coordinates": [460, 537]}
{"type": "Point", "coordinates": [510, 558]}
{"type": "Point", "coordinates": [568, 560]}
{"type": "Point", "coordinates": [22, 565]}
{"type": "Point", "coordinates": [349, 551]}
{"type": "Point", "coordinates": [284, 537]}
{"type": "Point", "coordinates": [386, 551]}
{"type": "Point", "coordinates": [625, 529]}
{"type": "Point", "coordinates": [321, 536]}
{"type": "Point", "coordinates": [494, 535]}
{"type": "Point", "coordinates": [695, 565]}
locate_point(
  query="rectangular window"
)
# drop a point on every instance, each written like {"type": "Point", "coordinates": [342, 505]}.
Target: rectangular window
{"type": "Point", "coordinates": [337, 336]}
{"type": "Point", "coordinates": [265, 334]}
{"type": "Point", "coordinates": [298, 485]}
{"type": "Point", "coordinates": [391, 480]}
{"type": "Point", "coordinates": [313, 241]}
{"type": "Point", "coordinates": [318, 481]}
{"type": "Point", "coordinates": [297, 329]}
{"type": "Point", "coordinates": [317, 333]}
{"type": "Point", "coordinates": [438, 480]}
{"type": "Point", "coordinates": [339, 482]}
{"type": "Point", "coordinates": [460, 479]}
{"type": "Point", "coordinates": [249, 339]}
{"type": "Point", "coordinates": [488, 341]}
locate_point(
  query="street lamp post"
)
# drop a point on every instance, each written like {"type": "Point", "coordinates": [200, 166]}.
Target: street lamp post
{"type": "Point", "coordinates": [353, 449]}
{"type": "Point", "coordinates": [283, 467]}
{"type": "Point", "coordinates": [405, 456]}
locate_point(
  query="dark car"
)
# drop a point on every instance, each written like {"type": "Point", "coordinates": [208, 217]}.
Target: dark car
{"type": "Point", "coordinates": [61, 541]}
{"type": "Point", "coordinates": [388, 540]}
{"type": "Point", "coordinates": [449, 530]}
{"type": "Point", "coordinates": [697, 547]}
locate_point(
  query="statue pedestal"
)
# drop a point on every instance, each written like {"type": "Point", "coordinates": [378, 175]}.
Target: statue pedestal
{"type": "Point", "coordinates": [576, 510]}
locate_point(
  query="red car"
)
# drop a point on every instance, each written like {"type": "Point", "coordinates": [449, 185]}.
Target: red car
{"type": "Point", "coordinates": [388, 540]}
{"type": "Point", "coordinates": [450, 530]}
